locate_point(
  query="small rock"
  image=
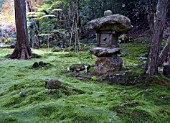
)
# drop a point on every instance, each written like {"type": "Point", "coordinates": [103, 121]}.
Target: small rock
{"type": "Point", "coordinates": [22, 94]}
{"type": "Point", "coordinates": [12, 46]}
{"type": "Point", "coordinates": [142, 58]}
{"type": "Point", "coordinates": [79, 67]}
{"type": "Point", "coordinates": [41, 63]}
{"type": "Point", "coordinates": [52, 84]}
{"type": "Point", "coordinates": [166, 70]}
{"type": "Point", "coordinates": [36, 64]}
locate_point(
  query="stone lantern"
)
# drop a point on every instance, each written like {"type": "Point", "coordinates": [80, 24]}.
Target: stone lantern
{"type": "Point", "coordinates": [108, 29]}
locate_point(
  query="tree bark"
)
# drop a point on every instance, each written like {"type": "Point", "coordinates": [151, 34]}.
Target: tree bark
{"type": "Point", "coordinates": [164, 53]}
{"type": "Point", "coordinates": [22, 49]}
{"type": "Point", "coordinates": [29, 5]}
{"type": "Point", "coordinates": [158, 27]}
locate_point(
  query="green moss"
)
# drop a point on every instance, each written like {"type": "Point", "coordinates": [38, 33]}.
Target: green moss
{"type": "Point", "coordinates": [9, 119]}
{"type": "Point", "coordinates": [12, 101]}
{"type": "Point", "coordinates": [79, 101]}
{"type": "Point", "coordinates": [134, 51]}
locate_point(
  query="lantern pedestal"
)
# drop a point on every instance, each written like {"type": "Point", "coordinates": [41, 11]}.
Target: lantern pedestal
{"type": "Point", "coordinates": [106, 59]}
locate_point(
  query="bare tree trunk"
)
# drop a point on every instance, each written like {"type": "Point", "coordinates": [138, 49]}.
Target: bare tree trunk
{"type": "Point", "coordinates": [77, 24]}
{"type": "Point", "coordinates": [71, 17]}
{"type": "Point", "coordinates": [22, 49]}
{"type": "Point", "coordinates": [150, 18]}
{"type": "Point", "coordinates": [164, 53]}
{"type": "Point", "coordinates": [151, 10]}
{"type": "Point", "coordinates": [69, 12]}
{"type": "Point", "coordinates": [74, 22]}
{"type": "Point", "coordinates": [158, 27]}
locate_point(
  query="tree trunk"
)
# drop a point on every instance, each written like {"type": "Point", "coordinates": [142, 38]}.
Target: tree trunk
{"type": "Point", "coordinates": [35, 26]}
{"type": "Point", "coordinates": [22, 49]}
{"type": "Point", "coordinates": [158, 27]}
{"type": "Point", "coordinates": [71, 20]}
{"type": "Point", "coordinates": [77, 24]}
{"type": "Point", "coordinates": [30, 7]}
{"type": "Point", "coordinates": [164, 53]}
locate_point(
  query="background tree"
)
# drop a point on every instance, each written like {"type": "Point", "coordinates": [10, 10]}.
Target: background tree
{"type": "Point", "coordinates": [157, 34]}
{"type": "Point", "coordinates": [22, 49]}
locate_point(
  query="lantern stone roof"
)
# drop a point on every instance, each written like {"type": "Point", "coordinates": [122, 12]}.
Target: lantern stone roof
{"type": "Point", "coordinates": [116, 22]}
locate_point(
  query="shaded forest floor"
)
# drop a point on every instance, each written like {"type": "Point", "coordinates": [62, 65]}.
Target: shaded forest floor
{"type": "Point", "coordinates": [98, 102]}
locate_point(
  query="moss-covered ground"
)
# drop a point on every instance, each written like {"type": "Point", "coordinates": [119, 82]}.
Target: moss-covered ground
{"type": "Point", "coordinates": [99, 102]}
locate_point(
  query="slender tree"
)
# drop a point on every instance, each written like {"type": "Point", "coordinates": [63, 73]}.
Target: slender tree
{"type": "Point", "coordinates": [157, 34]}
{"type": "Point", "coordinates": [22, 49]}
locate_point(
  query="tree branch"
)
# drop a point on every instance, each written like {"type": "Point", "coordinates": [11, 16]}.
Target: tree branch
{"type": "Point", "coordinates": [164, 53]}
